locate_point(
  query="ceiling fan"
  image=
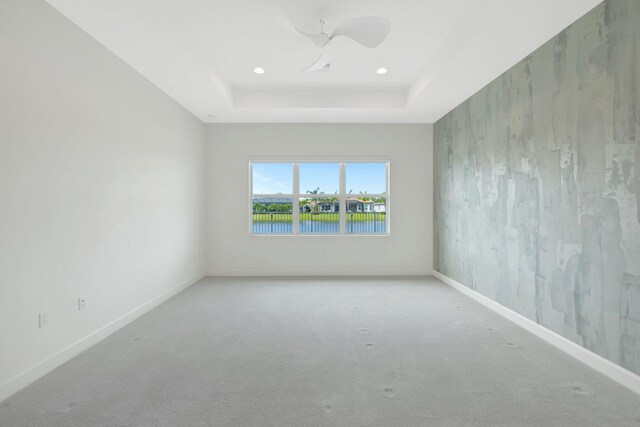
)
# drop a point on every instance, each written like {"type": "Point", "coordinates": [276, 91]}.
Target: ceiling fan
{"type": "Point", "coordinates": [369, 31]}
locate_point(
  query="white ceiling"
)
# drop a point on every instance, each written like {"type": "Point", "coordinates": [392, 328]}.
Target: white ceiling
{"type": "Point", "coordinates": [439, 52]}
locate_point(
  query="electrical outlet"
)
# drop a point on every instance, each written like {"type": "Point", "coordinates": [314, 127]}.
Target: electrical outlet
{"type": "Point", "coordinates": [43, 320]}
{"type": "Point", "coordinates": [82, 303]}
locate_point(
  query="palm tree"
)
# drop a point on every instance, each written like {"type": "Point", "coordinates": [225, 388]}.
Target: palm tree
{"type": "Point", "coordinates": [314, 206]}
{"type": "Point", "coordinates": [333, 199]}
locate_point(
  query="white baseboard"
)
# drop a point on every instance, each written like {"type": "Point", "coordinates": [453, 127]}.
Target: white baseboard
{"type": "Point", "coordinates": [319, 273]}
{"type": "Point", "coordinates": [37, 371]}
{"type": "Point", "coordinates": [615, 372]}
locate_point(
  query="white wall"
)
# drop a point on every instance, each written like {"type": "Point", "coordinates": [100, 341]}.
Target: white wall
{"type": "Point", "coordinates": [232, 251]}
{"type": "Point", "coordinates": [101, 191]}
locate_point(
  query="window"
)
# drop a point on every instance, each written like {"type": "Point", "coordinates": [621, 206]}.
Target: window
{"type": "Point", "coordinates": [319, 198]}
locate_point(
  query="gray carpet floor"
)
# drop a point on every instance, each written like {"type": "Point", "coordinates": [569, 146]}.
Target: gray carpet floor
{"type": "Point", "coordinates": [322, 352]}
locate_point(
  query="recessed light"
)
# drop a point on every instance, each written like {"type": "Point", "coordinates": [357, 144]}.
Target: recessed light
{"type": "Point", "coordinates": [258, 70]}
{"type": "Point", "coordinates": [382, 71]}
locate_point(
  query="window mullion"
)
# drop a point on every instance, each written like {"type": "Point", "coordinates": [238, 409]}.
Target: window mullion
{"type": "Point", "coordinates": [250, 198]}
{"type": "Point", "coordinates": [295, 203]}
{"type": "Point", "coordinates": [343, 199]}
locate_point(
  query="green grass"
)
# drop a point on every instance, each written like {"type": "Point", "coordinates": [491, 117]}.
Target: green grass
{"type": "Point", "coordinates": [275, 217]}
{"type": "Point", "coordinates": [361, 216]}
{"type": "Point", "coordinates": [318, 217]}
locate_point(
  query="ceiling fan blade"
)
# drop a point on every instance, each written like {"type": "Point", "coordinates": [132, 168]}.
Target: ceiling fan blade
{"type": "Point", "coordinates": [319, 40]}
{"type": "Point", "coordinates": [286, 22]}
{"type": "Point", "coordinates": [369, 31]}
{"type": "Point", "coordinates": [322, 63]}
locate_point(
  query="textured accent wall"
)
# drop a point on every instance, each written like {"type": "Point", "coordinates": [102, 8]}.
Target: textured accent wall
{"type": "Point", "coordinates": [537, 183]}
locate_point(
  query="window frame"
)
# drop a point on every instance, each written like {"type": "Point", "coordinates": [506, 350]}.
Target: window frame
{"type": "Point", "coordinates": [295, 196]}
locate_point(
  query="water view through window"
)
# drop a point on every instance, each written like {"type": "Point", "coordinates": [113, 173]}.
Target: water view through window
{"type": "Point", "coordinates": [319, 198]}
